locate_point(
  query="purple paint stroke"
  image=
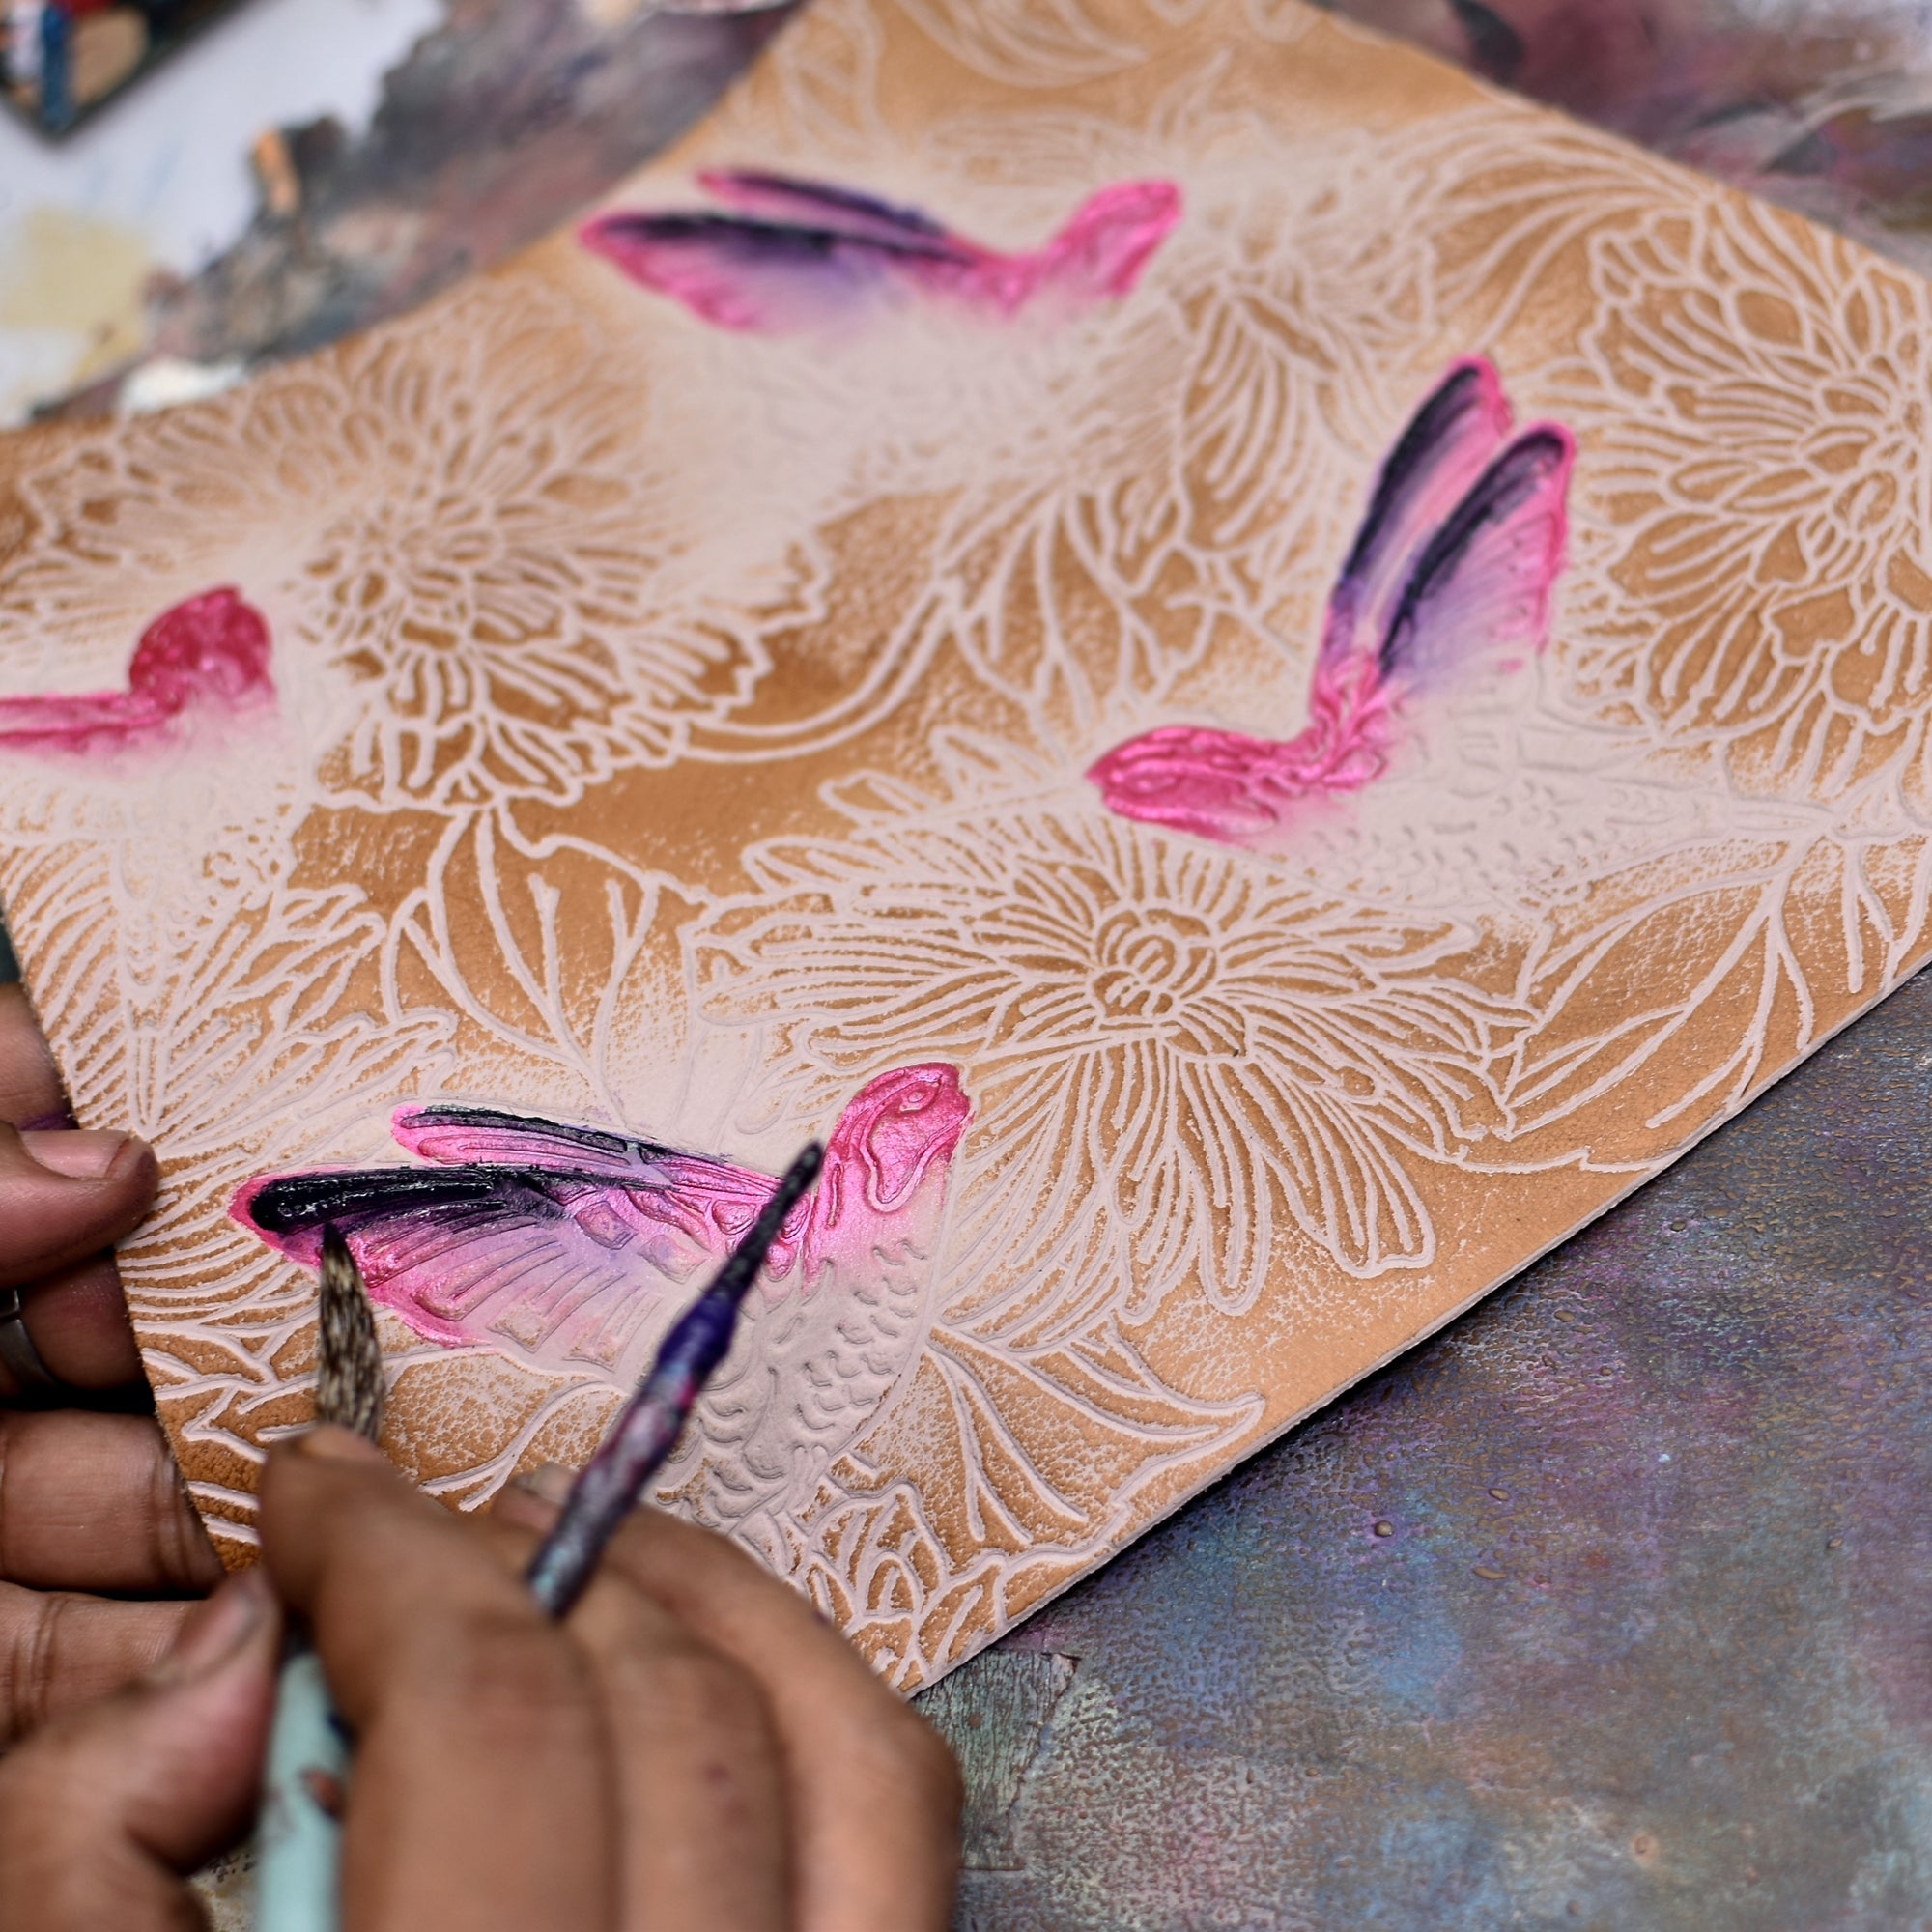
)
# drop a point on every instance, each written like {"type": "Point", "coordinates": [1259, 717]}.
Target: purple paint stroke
{"type": "Point", "coordinates": [1450, 579]}
{"type": "Point", "coordinates": [794, 255]}
{"type": "Point", "coordinates": [562, 1237]}
{"type": "Point", "coordinates": [209, 655]}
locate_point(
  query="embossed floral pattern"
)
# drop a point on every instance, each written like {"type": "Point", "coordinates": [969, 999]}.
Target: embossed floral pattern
{"type": "Point", "coordinates": [459, 519]}
{"type": "Point", "coordinates": [1765, 505]}
{"type": "Point", "coordinates": [1178, 1057]}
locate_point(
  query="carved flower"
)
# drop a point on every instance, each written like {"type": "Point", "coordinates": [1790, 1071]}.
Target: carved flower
{"type": "Point", "coordinates": [457, 514]}
{"type": "Point", "coordinates": [1176, 1056]}
{"type": "Point", "coordinates": [1759, 516]}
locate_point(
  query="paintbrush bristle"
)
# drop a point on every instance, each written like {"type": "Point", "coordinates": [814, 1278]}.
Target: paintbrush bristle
{"type": "Point", "coordinates": [349, 1377]}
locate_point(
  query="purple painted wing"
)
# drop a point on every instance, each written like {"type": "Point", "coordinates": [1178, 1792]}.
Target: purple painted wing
{"type": "Point", "coordinates": [707, 1203]}
{"type": "Point", "coordinates": [763, 277]}
{"type": "Point", "coordinates": [560, 1243]}
{"type": "Point", "coordinates": [1478, 595]}
{"type": "Point", "coordinates": [841, 211]}
{"type": "Point", "coordinates": [797, 254]}
{"type": "Point", "coordinates": [574, 1246]}
{"type": "Point", "coordinates": [1448, 443]}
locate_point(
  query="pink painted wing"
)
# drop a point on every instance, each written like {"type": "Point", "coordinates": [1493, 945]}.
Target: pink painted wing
{"type": "Point", "coordinates": [561, 1242]}
{"type": "Point", "coordinates": [796, 254]}
{"type": "Point", "coordinates": [211, 651]}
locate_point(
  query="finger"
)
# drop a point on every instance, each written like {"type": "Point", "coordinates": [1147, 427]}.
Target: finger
{"type": "Point", "coordinates": [872, 1794]}
{"type": "Point", "coordinates": [481, 1796]}
{"type": "Point", "coordinates": [77, 1320]}
{"type": "Point", "coordinates": [99, 1814]}
{"type": "Point", "coordinates": [30, 1085]}
{"type": "Point", "coordinates": [69, 1195]}
{"type": "Point", "coordinates": [701, 1839]}
{"type": "Point", "coordinates": [60, 1650]}
{"type": "Point", "coordinates": [703, 1832]}
{"type": "Point", "coordinates": [94, 1502]}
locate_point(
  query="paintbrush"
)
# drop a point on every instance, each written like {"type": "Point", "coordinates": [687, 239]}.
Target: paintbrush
{"type": "Point", "coordinates": [300, 1840]}
{"type": "Point", "coordinates": [645, 1433]}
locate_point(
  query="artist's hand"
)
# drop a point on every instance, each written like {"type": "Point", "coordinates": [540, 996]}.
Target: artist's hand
{"type": "Point", "coordinates": [90, 1503]}
{"type": "Point", "coordinates": [693, 1751]}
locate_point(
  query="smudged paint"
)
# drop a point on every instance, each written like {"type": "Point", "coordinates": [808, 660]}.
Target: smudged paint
{"type": "Point", "coordinates": [210, 654]}
{"type": "Point", "coordinates": [797, 254]}
{"type": "Point", "coordinates": [562, 1236]}
{"type": "Point", "coordinates": [1450, 577]}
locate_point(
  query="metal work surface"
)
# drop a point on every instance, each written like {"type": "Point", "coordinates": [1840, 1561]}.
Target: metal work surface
{"type": "Point", "coordinates": [1609, 1607]}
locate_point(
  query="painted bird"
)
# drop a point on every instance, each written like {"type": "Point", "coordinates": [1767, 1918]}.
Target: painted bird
{"type": "Point", "coordinates": [207, 655]}
{"type": "Point", "coordinates": [1450, 579]}
{"type": "Point", "coordinates": [798, 254]}
{"type": "Point", "coordinates": [569, 1247]}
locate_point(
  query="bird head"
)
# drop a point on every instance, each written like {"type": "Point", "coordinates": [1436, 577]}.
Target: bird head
{"type": "Point", "coordinates": [1110, 238]}
{"type": "Point", "coordinates": [215, 646]}
{"type": "Point", "coordinates": [898, 1132]}
{"type": "Point", "coordinates": [1217, 784]}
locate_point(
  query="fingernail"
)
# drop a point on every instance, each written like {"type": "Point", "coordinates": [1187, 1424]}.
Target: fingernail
{"type": "Point", "coordinates": [82, 1154]}
{"type": "Point", "coordinates": [549, 1483]}
{"type": "Point", "coordinates": [334, 1444]}
{"type": "Point", "coordinates": [215, 1630]}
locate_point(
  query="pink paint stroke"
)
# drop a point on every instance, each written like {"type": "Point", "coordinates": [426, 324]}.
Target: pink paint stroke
{"type": "Point", "coordinates": [209, 655]}
{"type": "Point", "coordinates": [564, 1237]}
{"type": "Point", "coordinates": [797, 254]}
{"type": "Point", "coordinates": [1450, 579]}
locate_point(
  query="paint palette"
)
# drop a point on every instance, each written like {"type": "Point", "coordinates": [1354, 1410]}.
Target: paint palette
{"type": "Point", "coordinates": [60, 59]}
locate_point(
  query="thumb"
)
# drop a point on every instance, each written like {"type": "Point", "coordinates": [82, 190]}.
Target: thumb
{"type": "Point", "coordinates": [69, 1195]}
{"type": "Point", "coordinates": [101, 1813]}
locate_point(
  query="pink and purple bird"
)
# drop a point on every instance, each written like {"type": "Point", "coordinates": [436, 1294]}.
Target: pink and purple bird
{"type": "Point", "coordinates": [794, 255]}
{"type": "Point", "coordinates": [207, 655]}
{"type": "Point", "coordinates": [1449, 580]}
{"type": "Point", "coordinates": [572, 1249]}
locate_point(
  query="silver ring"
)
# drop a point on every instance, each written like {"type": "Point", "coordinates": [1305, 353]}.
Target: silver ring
{"type": "Point", "coordinates": [31, 1376]}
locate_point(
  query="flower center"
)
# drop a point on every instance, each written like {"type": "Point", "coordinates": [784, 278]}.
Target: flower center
{"type": "Point", "coordinates": [1153, 967]}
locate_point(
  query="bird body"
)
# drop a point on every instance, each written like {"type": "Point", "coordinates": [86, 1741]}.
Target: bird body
{"type": "Point", "coordinates": [210, 653]}
{"type": "Point", "coordinates": [573, 1248]}
{"type": "Point", "coordinates": [794, 255]}
{"type": "Point", "coordinates": [1450, 577]}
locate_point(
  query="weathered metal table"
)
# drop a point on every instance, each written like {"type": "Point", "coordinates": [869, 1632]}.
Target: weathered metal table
{"type": "Point", "coordinates": [1609, 1606]}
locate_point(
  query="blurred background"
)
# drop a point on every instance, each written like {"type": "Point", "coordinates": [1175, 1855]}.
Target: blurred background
{"type": "Point", "coordinates": [304, 167]}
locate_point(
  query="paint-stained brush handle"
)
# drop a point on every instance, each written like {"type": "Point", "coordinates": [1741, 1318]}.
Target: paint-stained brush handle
{"type": "Point", "coordinates": [645, 1433]}
{"type": "Point", "coordinates": [299, 1835]}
